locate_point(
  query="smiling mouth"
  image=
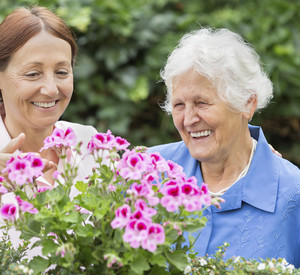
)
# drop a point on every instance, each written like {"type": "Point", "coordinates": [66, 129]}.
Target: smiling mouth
{"type": "Point", "coordinates": [44, 104]}
{"type": "Point", "coordinates": [205, 133]}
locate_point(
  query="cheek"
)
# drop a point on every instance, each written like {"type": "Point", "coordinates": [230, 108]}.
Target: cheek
{"type": "Point", "coordinates": [177, 120]}
{"type": "Point", "coordinates": [68, 89]}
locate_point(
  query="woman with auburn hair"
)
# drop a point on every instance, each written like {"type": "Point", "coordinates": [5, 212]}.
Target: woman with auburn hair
{"type": "Point", "coordinates": [37, 56]}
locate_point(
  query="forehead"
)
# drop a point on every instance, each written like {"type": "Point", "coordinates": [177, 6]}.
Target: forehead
{"type": "Point", "coordinates": [42, 46]}
{"type": "Point", "coordinates": [191, 83]}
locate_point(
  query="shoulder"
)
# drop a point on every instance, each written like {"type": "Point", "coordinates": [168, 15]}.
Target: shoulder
{"type": "Point", "coordinates": [289, 173]}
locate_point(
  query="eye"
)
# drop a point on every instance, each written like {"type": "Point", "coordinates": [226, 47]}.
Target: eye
{"type": "Point", "coordinates": [62, 73]}
{"type": "Point", "coordinates": [179, 104]}
{"type": "Point", "coordinates": [201, 103]}
{"type": "Point", "coordinates": [32, 74]}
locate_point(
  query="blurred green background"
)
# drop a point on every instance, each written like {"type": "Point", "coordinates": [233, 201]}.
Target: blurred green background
{"type": "Point", "coordinates": [124, 44]}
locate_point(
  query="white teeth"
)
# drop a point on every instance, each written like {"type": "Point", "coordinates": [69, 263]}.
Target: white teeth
{"type": "Point", "coordinates": [201, 134]}
{"type": "Point", "coordinates": [44, 104]}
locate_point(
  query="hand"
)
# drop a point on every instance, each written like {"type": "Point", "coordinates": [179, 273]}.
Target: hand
{"type": "Point", "coordinates": [7, 152]}
{"type": "Point", "coordinates": [274, 151]}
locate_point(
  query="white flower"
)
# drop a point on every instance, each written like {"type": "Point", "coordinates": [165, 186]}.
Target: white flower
{"type": "Point", "coordinates": [237, 259]}
{"type": "Point", "coordinates": [271, 264]}
{"type": "Point", "coordinates": [284, 262]}
{"type": "Point", "coordinates": [261, 266]}
{"type": "Point", "coordinates": [202, 262]}
{"type": "Point", "coordinates": [187, 270]}
{"type": "Point", "coordinates": [290, 268]}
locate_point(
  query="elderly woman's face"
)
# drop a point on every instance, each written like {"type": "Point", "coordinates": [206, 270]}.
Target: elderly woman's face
{"type": "Point", "coordinates": [37, 84]}
{"type": "Point", "coordinates": [209, 128]}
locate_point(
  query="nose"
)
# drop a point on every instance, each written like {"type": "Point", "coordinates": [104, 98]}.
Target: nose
{"type": "Point", "coordinates": [190, 116]}
{"type": "Point", "coordinates": [49, 86]}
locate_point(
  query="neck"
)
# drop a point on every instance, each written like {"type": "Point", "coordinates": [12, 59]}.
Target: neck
{"type": "Point", "coordinates": [222, 174]}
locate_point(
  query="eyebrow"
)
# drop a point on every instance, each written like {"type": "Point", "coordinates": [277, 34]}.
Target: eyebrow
{"type": "Point", "coordinates": [40, 64]}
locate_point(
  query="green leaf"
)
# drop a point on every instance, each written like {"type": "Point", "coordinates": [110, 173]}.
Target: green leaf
{"type": "Point", "coordinates": [48, 246]}
{"type": "Point", "coordinates": [85, 231]}
{"type": "Point", "coordinates": [158, 259]}
{"type": "Point", "coordinates": [177, 258]}
{"type": "Point", "coordinates": [72, 217]}
{"type": "Point", "coordinates": [81, 186]}
{"type": "Point", "coordinates": [140, 264]}
{"type": "Point", "coordinates": [157, 270]}
{"type": "Point", "coordinates": [38, 264]}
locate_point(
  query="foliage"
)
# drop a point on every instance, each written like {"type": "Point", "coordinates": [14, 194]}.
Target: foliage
{"type": "Point", "coordinates": [128, 217]}
{"type": "Point", "coordinates": [124, 44]}
{"type": "Point", "coordinates": [217, 265]}
{"type": "Point", "coordinates": [11, 258]}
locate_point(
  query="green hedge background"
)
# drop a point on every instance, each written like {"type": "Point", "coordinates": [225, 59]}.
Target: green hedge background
{"type": "Point", "coordinates": [124, 44]}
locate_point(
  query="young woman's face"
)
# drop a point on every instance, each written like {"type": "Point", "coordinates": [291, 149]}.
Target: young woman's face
{"type": "Point", "coordinates": [37, 84]}
{"type": "Point", "coordinates": [207, 125]}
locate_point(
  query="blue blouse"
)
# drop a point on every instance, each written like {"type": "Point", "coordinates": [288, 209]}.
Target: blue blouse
{"type": "Point", "coordinates": [260, 217]}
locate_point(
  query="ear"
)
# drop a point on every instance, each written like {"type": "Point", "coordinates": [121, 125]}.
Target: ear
{"type": "Point", "coordinates": [251, 105]}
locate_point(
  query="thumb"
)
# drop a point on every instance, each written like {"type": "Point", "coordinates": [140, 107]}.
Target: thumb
{"type": "Point", "coordinates": [15, 144]}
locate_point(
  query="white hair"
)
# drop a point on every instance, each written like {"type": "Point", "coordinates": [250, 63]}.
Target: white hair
{"type": "Point", "coordinates": [224, 58]}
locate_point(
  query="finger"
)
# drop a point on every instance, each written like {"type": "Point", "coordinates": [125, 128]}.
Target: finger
{"type": "Point", "coordinates": [14, 144]}
{"type": "Point", "coordinates": [48, 165]}
{"type": "Point", "coordinates": [274, 151]}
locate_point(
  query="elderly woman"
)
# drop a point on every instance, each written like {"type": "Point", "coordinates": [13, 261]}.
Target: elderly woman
{"type": "Point", "coordinates": [215, 84]}
{"type": "Point", "coordinates": [37, 55]}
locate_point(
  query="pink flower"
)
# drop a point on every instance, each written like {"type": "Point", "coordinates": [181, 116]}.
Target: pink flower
{"type": "Point", "coordinates": [134, 164]}
{"type": "Point", "coordinates": [3, 189]}
{"type": "Point", "coordinates": [36, 164]}
{"type": "Point", "coordinates": [60, 138]}
{"type": "Point", "coordinates": [23, 169]}
{"type": "Point", "coordinates": [135, 232]}
{"type": "Point", "coordinates": [122, 218]}
{"type": "Point", "coordinates": [111, 187]}
{"type": "Point", "coordinates": [101, 141]}
{"type": "Point", "coordinates": [19, 170]}
{"type": "Point", "coordinates": [26, 206]}
{"type": "Point", "coordinates": [174, 169]}
{"type": "Point", "coordinates": [121, 143]}
{"type": "Point", "coordinates": [142, 206]}
{"type": "Point", "coordinates": [156, 235]}
{"type": "Point", "coordinates": [8, 211]}
{"type": "Point", "coordinates": [41, 189]}
{"type": "Point", "coordinates": [56, 174]}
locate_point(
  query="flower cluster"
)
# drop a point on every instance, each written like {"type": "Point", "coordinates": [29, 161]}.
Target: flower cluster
{"type": "Point", "coordinates": [217, 265]}
{"type": "Point", "coordinates": [24, 169]}
{"type": "Point", "coordinates": [149, 172]}
{"type": "Point", "coordinates": [106, 141]}
{"type": "Point", "coordinates": [127, 214]}
{"type": "Point", "coordinates": [60, 138]}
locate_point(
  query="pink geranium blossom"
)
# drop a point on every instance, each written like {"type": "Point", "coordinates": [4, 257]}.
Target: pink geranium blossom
{"type": "Point", "coordinates": [156, 235]}
{"type": "Point", "coordinates": [122, 218]}
{"type": "Point", "coordinates": [24, 169]}
{"type": "Point", "coordinates": [26, 206]}
{"type": "Point", "coordinates": [3, 189]}
{"type": "Point", "coordinates": [136, 232]}
{"type": "Point", "coordinates": [60, 139]}
{"type": "Point", "coordinates": [8, 211]}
